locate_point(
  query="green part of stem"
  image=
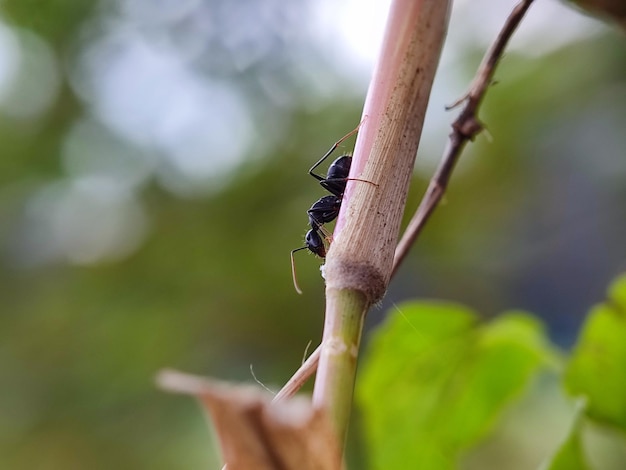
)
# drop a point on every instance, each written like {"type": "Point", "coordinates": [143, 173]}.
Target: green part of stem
{"type": "Point", "coordinates": [334, 387]}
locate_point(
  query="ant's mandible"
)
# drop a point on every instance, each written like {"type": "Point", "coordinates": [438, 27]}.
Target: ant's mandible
{"type": "Point", "coordinates": [326, 209]}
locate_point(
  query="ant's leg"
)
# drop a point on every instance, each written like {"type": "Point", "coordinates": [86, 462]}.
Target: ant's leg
{"type": "Point", "coordinates": [327, 235]}
{"type": "Point", "coordinates": [330, 151]}
{"type": "Point", "coordinates": [330, 185]}
{"type": "Point", "coordinates": [317, 227]}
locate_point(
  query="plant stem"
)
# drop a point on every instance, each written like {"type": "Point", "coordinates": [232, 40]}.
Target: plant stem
{"type": "Point", "coordinates": [359, 262]}
{"type": "Point", "coordinates": [340, 349]}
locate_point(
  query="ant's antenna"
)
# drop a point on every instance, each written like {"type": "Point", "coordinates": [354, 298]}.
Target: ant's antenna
{"type": "Point", "coordinates": [331, 150]}
{"type": "Point", "coordinates": [293, 270]}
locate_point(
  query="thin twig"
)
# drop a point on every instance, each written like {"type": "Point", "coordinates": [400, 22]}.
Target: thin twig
{"type": "Point", "coordinates": [464, 129]}
{"type": "Point", "coordinates": [297, 380]}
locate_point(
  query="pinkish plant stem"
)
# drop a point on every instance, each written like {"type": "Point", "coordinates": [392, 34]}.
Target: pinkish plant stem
{"type": "Point", "coordinates": [359, 262]}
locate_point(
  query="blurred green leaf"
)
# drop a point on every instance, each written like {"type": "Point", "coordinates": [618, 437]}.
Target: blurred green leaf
{"type": "Point", "coordinates": [596, 369]}
{"type": "Point", "coordinates": [435, 381]}
{"type": "Point", "coordinates": [570, 456]}
{"type": "Point", "coordinates": [56, 20]}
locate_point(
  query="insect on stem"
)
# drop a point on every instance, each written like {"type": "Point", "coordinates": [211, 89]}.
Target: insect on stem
{"type": "Point", "coordinates": [326, 209]}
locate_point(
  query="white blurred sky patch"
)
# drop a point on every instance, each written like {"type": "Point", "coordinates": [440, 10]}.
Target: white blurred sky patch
{"type": "Point", "coordinates": [143, 80]}
{"type": "Point", "coordinates": [29, 75]}
{"type": "Point", "coordinates": [158, 11]}
{"type": "Point", "coordinates": [9, 59]}
{"type": "Point", "coordinates": [152, 98]}
{"type": "Point", "coordinates": [352, 30]}
{"type": "Point", "coordinates": [91, 150]}
{"type": "Point", "coordinates": [80, 221]}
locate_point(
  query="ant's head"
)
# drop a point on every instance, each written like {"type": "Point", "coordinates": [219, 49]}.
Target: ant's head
{"type": "Point", "coordinates": [315, 244]}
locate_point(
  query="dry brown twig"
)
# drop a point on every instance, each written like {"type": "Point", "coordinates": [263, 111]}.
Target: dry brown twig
{"type": "Point", "coordinates": [465, 127]}
{"type": "Point", "coordinates": [255, 434]}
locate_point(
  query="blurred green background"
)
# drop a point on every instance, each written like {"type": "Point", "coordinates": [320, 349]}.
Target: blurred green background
{"type": "Point", "coordinates": [153, 179]}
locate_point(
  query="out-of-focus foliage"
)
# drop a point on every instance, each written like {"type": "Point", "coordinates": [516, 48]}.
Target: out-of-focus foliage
{"type": "Point", "coordinates": [596, 370]}
{"type": "Point", "coordinates": [535, 212]}
{"type": "Point", "coordinates": [57, 21]}
{"type": "Point", "coordinates": [153, 161]}
{"type": "Point", "coordinates": [435, 381]}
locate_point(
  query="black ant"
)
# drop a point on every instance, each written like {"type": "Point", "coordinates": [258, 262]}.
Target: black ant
{"type": "Point", "coordinates": [326, 209]}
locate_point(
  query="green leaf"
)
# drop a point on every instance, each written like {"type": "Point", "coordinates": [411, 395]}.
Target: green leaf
{"type": "Point", "coordinates": [597, 368]}
{"type": "Point", "coordinates": [435, 380]}
{"type": "Point", "coordinates": [570, 455]}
